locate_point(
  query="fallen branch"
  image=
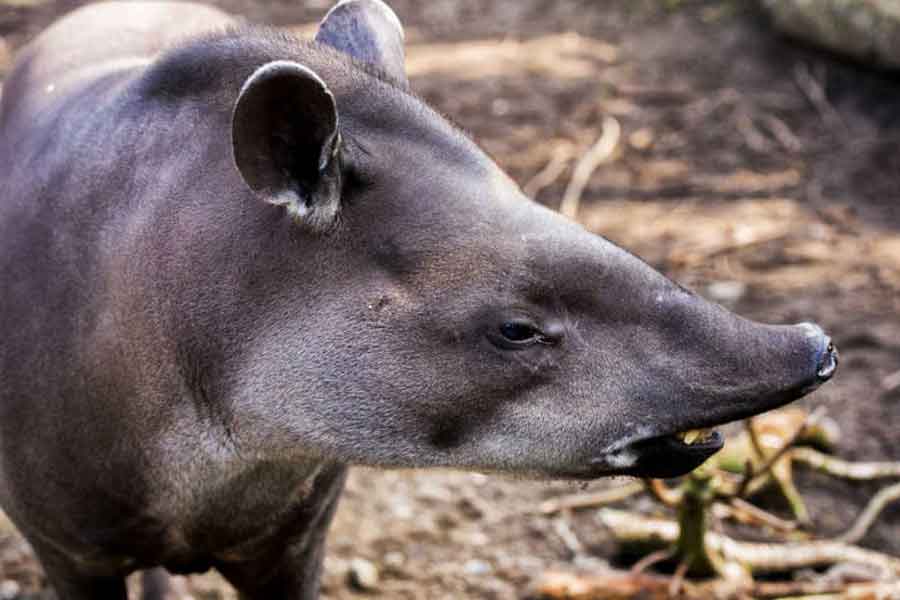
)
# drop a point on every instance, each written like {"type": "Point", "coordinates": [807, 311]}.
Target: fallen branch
{"type": "Point", "coordinates": [733, 247]}
{"type": "Point", "coordinates": [813, 590]}
{"type": "Point", "coordinates": [631, 529]}
{"type": "Point", "coordinates": [815, 93]}
{"type": "Point", "coordinates": [619, 585]}
{"type": "Point", "coordinates": [780, 130]}
{"type": "Point", "coordinates": [593, 500]}
{"type": "Point", "coordinates": [662, 493]}
{"type": "Point", "coordinates": [614, 585]}
{"type": "Point", "coordinates": [599, 153]}
{"type": "Point", "coordinates": [550, 173]}
{"type": "Point", "coordinates": [652, 559]}
{"type": "Point", "coordinates": [750, 514]}
{"type": "Point", "coordinates": [751, 474]}
{"type": "Point", "coordinates": [857, 471]}
{"type": "Point", "coordinates": [753, 137]}
{"type": "Point", "coordinates": [891, 382]}
{"type": "Point", "coordinates": [564, 532]}
{"type": "Point", "coordinates": [871, 512]}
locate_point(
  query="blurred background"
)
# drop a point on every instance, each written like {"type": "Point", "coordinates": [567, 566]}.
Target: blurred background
{"type": "Point", "coordinates": [760, 170]}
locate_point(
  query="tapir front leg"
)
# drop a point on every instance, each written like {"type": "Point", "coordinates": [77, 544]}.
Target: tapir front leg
{"type": "Point", "coordinates": [71, 583]}
{"type": "Point", "coordinates": [291, 571]}
{"type": "Point", "coordinates": [156, 585]}
{"type": "Point", "coordinates": [292, 576]}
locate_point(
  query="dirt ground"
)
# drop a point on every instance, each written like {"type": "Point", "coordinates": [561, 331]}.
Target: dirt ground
{"type": "Point", "coordinates": [758, 172]}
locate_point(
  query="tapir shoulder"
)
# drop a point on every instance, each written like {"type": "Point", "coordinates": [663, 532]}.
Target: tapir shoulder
{"type": "Point", "coordinates": [96, 41]}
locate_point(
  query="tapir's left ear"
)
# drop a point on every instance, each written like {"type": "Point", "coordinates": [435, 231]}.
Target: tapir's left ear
{"type": "Point", "coordinates": [370, 32]}
{"type": "Point", "coordinates": [286, 141]}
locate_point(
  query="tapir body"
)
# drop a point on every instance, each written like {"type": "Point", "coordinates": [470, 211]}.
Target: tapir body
{"type": "Point", "coordinates": [234, 263]}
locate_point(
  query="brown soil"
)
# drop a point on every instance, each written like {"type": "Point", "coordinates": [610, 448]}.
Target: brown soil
{"type": "Point", "coordinates": [744, 158]}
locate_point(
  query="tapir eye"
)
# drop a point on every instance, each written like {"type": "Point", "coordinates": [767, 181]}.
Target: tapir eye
{"type": "Point", "coordinates": [518, 332]}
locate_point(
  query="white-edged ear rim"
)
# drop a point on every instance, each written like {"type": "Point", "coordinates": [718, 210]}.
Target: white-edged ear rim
{"type": "Point", "coordinates": [380, 6]}
{"type": "Point", "coordinates": [368, 31]}
{"type": "Point", "coordinates": [286, 140]}
{"type": "Point", "coordinates": [282, 67]}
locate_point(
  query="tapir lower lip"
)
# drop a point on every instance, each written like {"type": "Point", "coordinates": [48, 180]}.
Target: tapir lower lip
{"type": "Point", "coordinates": [659, 456]}
{"type": "Point", "coordinates": [666, 456]}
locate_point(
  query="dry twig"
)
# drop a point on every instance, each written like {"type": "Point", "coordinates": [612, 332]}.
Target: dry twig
{"type": "Point", "coordinates": [663, 494]}
{"type": "Point", "coordinates": [752, 474]}
{"type": "Point", "coordinates": [753, 137]}
{"type": "Point", "coordinates": [559, 160]}
{"type": "Point", "coordinates": [871, 512]}
{"type": "Point", "coordinates": [815, 93]}
{"type": "Point", "coordinates": [754, 439]}
{"type": "Point", "coordinates": [599, 153]}
{"type": "Point", "coordinates": [785, 136]}
{"type": "Point", "coordinates": [891, 382]}
{"type": "Point", "coordinates": [677, 582]}
{"type": "Point", "coordinates": [593, 500]}
{"type": "Point", "coordinates": [758, 557]}
{"type": "Point", "coordinates": [817, 590]}
{"type": "Point", "coordinates": [617, 585]}
{"type": "Point", "coordinates": [836, 467]}
{"type": "Point", "coordinates": [564, 532]}
{"type": "Point", "coordinates": [750, 513]}
{"type": "Point", "coordinates": [652, 559]}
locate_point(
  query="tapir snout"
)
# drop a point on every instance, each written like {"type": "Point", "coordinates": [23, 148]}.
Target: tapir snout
{"type": "Point", "coordinates": [734, 370]}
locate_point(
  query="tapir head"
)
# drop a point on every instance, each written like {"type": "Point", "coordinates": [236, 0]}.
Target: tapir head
{"type": "Point", "coordinates": [417, 310]}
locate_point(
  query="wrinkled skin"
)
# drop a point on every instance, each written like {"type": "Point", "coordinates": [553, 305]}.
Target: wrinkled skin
{"type": "Point", "coordinates": [234, 267]}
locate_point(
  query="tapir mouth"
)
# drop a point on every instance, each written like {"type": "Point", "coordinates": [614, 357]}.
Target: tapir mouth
{"type": "Point", "coordinates": [658, 456]}
{"type": "Point", "coordinates": [678, 450]}
{"type": "Point", "coordinates": [670, 455]}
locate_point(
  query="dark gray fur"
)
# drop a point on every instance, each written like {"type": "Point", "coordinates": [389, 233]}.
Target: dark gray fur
{"type": "Point", "coordinates": [186, 367]}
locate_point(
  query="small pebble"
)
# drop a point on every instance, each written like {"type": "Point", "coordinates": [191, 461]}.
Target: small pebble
{"type": "Point", "coordinates": [641, 139]}
{"type": "Point", "coordinates": [726, 291]}
{"type": "Point", "coordinates": [402, 510]}
{"type": "Point", "coordinates": [500, 107]}
{"type": "Point", "coordinates": [9, 590]}
{"type": "Point", "coordinates": [477, 567]}
{"type": "Point", "coordinates": [394, 559]}
{"type": "Point", "coordinates": [479, 479]}
{"type": "Point", "coordinates": [363, 575]}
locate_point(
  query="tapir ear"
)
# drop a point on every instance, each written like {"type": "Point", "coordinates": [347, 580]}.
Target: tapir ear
{"type": "Point", "coordinates": [370, 32]}
{"type": "Point", "coordinates": [286, 141]}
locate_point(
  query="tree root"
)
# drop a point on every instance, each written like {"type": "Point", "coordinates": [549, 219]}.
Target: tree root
{"type": "Point", "coordinates": [576, 501]}
{"type": "Point", "coordinates": [639, 530]}
{"type": "Point", "coordinates": [619, 585]}
{"type": "Point", "coordinates": [871, 512]}
{"type": "Point", "coordinates": [856, 471]}
{"type": "Point", "coordinates": [599, 153]}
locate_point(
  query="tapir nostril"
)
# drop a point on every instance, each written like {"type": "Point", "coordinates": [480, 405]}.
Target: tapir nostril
{"type": "Point", "coordinates": [825, 353]}
{"type": "Point", "coordinates": [828, 362]}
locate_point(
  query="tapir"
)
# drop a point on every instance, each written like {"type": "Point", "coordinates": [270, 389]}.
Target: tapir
{"type": "Point", "coordinates": [234, 263]}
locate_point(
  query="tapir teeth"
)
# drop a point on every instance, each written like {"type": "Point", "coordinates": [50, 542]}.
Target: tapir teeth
{"type": "Point", "coordinates": [695, 435]}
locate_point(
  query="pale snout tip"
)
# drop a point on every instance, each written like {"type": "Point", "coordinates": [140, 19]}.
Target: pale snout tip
{"type": "Point", "coordinates": [826, 353]}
